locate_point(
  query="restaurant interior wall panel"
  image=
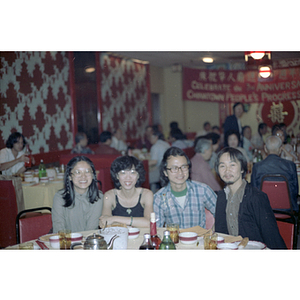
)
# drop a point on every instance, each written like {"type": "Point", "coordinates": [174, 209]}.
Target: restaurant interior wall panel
{"type": "Point", "coordinates": [35, 99]}
{"type": "Point", "coordinates": [124, 95]}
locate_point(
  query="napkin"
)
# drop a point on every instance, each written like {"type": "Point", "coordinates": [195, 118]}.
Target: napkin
{"type": "Point", "coordinates": [232, 239]}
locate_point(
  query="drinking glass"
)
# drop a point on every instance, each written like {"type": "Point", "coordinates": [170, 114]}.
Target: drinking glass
{"type": "Point", "coordinates": [64, 239]}
{"type": "Point", "coordinates": [174, 232]}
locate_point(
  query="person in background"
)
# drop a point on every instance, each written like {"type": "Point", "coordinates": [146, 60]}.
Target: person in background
{"type": "Point", "coordinates": [287, 149]}
{"type": "Point", "coordinates": [216, 129]}
{"type": "Point", "coordinates": [81, 141]}
{"type": "Point", "coordinates": [13, 158]}
{"type": "Point", "coordinates": [78, 206]}
{"type": "Point", "coordinates": [241, 208]}
{"type": "Point", "coordinates": [178, 139]}
{"type": "Point", "coordinates": [247, 145]}
{"type": "Point", "coordinates": [144, 142]}
{"type": "Point", "coordinates": [103, 147]}
{"type": "Point", "coordinates": [201, 170]}
{"type": "Point", "coordinates": [257, 139]}
{"type": "Point", "coordinates": [181, 200]}
{"type": "Point", "coordinates": [127, 203]}
{"type": "Point", "coordinates": [118, 141]}
{"type": "Point", "coordinates": [287, 137]}
{"type": "Point", "coordinates": [206, 129]}
{"type": "Point", "coordinates": [232, 137]}
{"type": "Point", "coordinates": [233, 122]}
{"type": "Point", "coordinates": [274, 164]}
{"type": "Point", "coordinates": [215, 138]}
{"type": "Point", "coordinates": [157, 151]}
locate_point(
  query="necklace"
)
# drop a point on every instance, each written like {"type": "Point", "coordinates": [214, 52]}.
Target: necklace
{"type": "Point", "coordinates": [128, 210]}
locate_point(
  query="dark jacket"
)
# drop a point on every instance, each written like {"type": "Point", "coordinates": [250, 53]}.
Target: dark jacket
{"type": "Point", "coordinates": [231, 123]}
{"type": "Point", "coordinates": [273, 164]}
{"type": "Point", "coordinates": [256, 218]}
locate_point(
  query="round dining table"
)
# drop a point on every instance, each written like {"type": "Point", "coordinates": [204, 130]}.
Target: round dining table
{"type": "Point", "coordinates": [134, 244]}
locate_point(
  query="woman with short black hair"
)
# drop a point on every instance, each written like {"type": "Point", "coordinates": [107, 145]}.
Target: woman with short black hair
{"type": "Point", "coordinates": [128, 203]}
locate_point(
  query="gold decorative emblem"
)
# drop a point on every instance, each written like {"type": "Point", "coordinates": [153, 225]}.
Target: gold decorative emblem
{"type": "Point", "coordinates": [276, 113]}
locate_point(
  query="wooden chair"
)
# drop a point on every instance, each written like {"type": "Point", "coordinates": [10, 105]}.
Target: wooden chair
{"type": "Point", "coordinates": [33, 224]}
{"type": "Point", "coordinates": [277, 188]}
{"type": "Point", "coordinates": [8, 213]}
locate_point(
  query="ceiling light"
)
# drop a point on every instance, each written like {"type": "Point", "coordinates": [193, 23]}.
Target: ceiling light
{"type": "Point", "coordinates": [208, 60]}
{"type": "Point", "coordinates": [257, 54]}
{"type": "Point", "coordinates": [265, 71]}
{"type": "Point", "coordinates": [89, 69]}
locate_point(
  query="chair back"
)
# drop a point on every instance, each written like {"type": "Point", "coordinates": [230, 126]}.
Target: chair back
{"type": "Point", "coordinates": [286, 231]}
{"type": "Point", "coordinates": [8, 213]}
{"type": "Point", "coordinates": [32, 225]}
{"type": "Point", "coordinates": [210, 219]}
{"type": "Point", "coordinates": [277, 188]}
{"type": "Point", "coordinates": [190, 152]}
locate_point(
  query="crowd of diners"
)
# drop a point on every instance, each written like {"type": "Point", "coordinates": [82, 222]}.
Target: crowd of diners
{"type": "Point", "coordinates": [180, 188]}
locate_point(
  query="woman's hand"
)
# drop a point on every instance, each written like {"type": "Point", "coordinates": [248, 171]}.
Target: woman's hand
{"type": "Point", "coordinates": [23, 158]}
{"type": "Point", "coordinates": [104, 219]}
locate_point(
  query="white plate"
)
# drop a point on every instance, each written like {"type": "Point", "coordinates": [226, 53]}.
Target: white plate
{"type": "Point", "coordinates": [254, 245]}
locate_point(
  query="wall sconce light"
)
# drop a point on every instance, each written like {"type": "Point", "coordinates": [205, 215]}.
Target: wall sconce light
{"type": "Point", "coordinates": [89, 69]}
{"type": "Point", "coordinates": [264, 72]}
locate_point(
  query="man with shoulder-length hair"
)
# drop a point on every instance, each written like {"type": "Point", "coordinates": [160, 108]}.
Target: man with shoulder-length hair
{"type": "Point", "coordinates": [241, 208]}
{"type": "Point", "coordinates": [181, 200]}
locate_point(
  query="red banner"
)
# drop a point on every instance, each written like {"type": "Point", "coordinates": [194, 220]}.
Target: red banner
{"type": "Point", "coordinates": [240, 86]}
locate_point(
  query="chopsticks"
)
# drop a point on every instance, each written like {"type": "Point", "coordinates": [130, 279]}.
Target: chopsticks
{"type": "Point", "coordinates": [42, 245]}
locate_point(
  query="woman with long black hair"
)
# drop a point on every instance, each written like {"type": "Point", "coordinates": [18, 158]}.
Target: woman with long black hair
{"type": "Point", "coordinates": [78, 205]}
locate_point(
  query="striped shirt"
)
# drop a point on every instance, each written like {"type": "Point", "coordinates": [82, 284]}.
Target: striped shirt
{"type": "Point", "coordinates": [199, 196]}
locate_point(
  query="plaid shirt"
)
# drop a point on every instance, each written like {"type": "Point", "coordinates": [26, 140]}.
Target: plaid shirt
{"type": "Point", "coordinates": [199, 196]}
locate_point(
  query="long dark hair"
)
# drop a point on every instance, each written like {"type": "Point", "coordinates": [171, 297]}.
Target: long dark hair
{"type": "Point", "coordinates": [126, 163]}
{"type": "Point", "coordinates": [13, 138]}
{"type": "Point", "coordinates": [69, 193]}
{"type": "Point", "coordinates": [172, 151]}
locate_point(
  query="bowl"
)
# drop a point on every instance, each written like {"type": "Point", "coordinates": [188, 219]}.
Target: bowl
{"type": "Point", "coordinates": [60, 176]}
{"type": "Point", "coordinates": [54, 241]}
{"type": "Point", "coordinates": [227, 246]}
{"type": "Point", "coordinates": [76, 237]}
{"type": "Point", "coordinates": [220, 239]}
{"type": "Point", "coordinates": [28, 178]}
{"type": "Point", "coordinates": [133, 232]}
{"type": "Point", "coordinates": [188, 237]}
{"type": "Point", "coordinates": [44, 179]}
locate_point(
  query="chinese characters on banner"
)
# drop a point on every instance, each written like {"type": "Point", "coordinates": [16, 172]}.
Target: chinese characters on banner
{"type": "Point", "coordinates": [240, 86]}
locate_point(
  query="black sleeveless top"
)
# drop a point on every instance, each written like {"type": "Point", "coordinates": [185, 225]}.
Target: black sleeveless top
{"type": "Point", "coordinates": [136, 211]}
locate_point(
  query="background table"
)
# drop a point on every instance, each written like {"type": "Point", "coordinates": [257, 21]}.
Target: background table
{"type": "Point", "coordinates": [39, 195]}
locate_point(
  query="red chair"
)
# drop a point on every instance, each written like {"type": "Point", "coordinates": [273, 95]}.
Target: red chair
{"type": "Point", "coordinates": [190, 152]}
{"type": "Point", "coordinates": [277, 188]}
{"type": "Point", "coordinates": [32, 225]}
{"type": "Point", "coordinates": [287, 231]}
{"type": "Point", "coordinates": [210, 219]}
{"type": "Point", "coordinates": [8, 213]}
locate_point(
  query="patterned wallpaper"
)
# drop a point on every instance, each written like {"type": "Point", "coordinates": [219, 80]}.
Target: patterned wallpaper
{"type": "Point", "coordinates": [35, 99]}
{"type": "Point", "coordinates": [125, 95]}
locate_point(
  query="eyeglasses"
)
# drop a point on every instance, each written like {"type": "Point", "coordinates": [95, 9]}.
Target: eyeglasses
{"type": "Point", "coordinates": [175, 169]}
{"type": "Point", "coordinates": [78, 173]}
{"type": "Point", "coordinates": [279, 134]}
{"type": "Point", "coordinates": [128, 172]}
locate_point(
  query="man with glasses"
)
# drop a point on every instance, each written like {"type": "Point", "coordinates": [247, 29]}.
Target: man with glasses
{"type": "Point", "coordinates": [181, 200]}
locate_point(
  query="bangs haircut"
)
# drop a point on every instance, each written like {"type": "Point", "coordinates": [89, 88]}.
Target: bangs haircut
{"type": "Point", "coordinates": [126, 163]}
{"type": "Point", "coordinates": [13, 138]}
{"type": "Point", "coordinates": [235, 155]}
{"type": "Point", "coordinates": [172, 151]}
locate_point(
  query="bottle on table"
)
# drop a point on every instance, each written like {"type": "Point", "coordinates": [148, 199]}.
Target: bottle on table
{"type": "Point", "coordinates": [153, 232]}
{"type": "Point", "coordinates": [167, 243]}
{"type": "Point", "coordinates": [259, 156]}
{"type": "Point", "coordinates": [42, 169]}
{"type": "Point", "coordinates": [255, 153]}
{"type": "Point", "coordinates": [147, 244]}
{"type": "Point", "coordinates": [28, 155]}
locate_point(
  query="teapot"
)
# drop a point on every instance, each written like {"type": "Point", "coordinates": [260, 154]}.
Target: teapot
{"type": "Point", "coordinates": [96, 242]}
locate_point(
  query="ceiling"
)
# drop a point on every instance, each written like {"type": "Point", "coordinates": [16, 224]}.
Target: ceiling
{"type": "Point", "coordinates": [194, 58]}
